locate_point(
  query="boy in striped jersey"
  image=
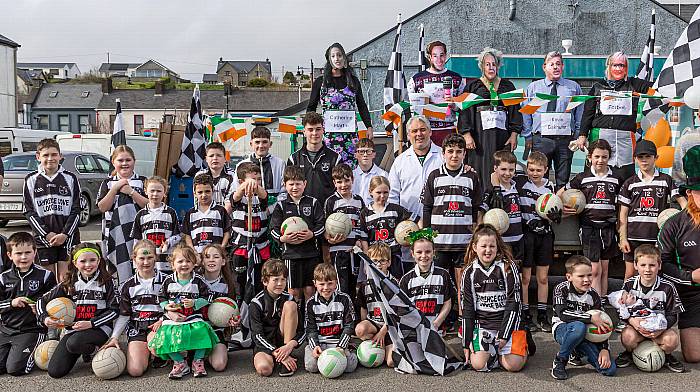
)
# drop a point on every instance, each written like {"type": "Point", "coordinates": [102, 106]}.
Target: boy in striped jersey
{"type": "Point", "coordinates": [223, 182]}
{"type": "Point", "coordinates": [330, 320]}
{"type": "Point", "coordinates": [572, 299]}
{"type": "Point", "coordinates": [597, 233]}
{"type": "Point", "coordinates": [539, 237]}
{"type": "Point", "coordinates": [340, 247]}
{"type": "Point", "coordinates": [208, 222]}
{"type": "Point", "coordinates": [157, 222]}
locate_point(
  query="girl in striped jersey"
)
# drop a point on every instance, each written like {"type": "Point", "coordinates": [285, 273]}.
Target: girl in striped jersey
{"type": "Point", "coordinates": [139, 310]}
{"type": "Point", "coordinates": [379, 219]}
{"type": "Point", "coordinates": [88, 284]}
{"type": "Point", "coordinates": [491, 304]}
{"type": "Point", "coordinates": [218, 276]}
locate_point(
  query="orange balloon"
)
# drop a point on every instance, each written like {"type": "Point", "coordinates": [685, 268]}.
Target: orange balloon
{"type": "Point", "coordinates": [659, 133]}
{"type": "Point", "coordinates": [665, 159]}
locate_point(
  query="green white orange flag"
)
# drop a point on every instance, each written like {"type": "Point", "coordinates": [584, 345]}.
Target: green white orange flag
{"type": "Point", "coordinates": [361, 127]}
{"type": "Point", "coordinates": [435, 111]}
{"type": "Point", "coordinates": [676, 102]}
{"type": "Point", "coordinates": [288, 124]}
{"type": "Point", "coordinates": [577, 100]}
{"type": "Point", "coordinates": [512, 97]}
{"type": "Point", "coordinates": [468, 100]}
{"type": "Point", "coordinates": [538, 101]}
{"type": "Point", "coordinates": [395, 111]}
{"type": "Point", "coordinates": [225, 129]}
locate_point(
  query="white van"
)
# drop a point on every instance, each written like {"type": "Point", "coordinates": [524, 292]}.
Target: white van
{"type": "Point", "coordinates": [14, 140]}
{"type": "Point", "coordinates": [144, 148]}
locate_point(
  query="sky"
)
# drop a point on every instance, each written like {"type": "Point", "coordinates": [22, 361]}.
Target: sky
{"type": "Point", "coordinates": [190, 40]}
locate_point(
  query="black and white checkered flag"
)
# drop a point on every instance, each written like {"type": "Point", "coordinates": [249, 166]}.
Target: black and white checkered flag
{"type": "Point", "coordinates": [645, 71]}
{"type": "Point", "coordinates": [423, 63]}
{"type": "Point", "coordinates": [193, 142]}
{"type": "Point", "coordinates": [395, 82]}
{"type": "Point", "coordinates": [418, 348]}
{"type": "Point", "coordinates": [118, 132]}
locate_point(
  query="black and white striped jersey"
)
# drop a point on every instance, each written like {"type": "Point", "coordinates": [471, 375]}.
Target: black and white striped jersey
{"type": "Point", "coordinates": [368, 300]}
{"type": "Point", "coordinates": [224, 185]}
{"type": "Point", "coordinates": [380, 226]}
{"type": "Point", "coordinates": [601, 195]}
{"type": "Point", "coordinates": [218, 287]}
{"type": "Point", "coordinates": [94, 302]}
{"type": "Point", "coordinates": [572, 305]}
{"type": "Point", "coordinates": [451, 206]}
{"type": "Point", "coordinates": [206, 227]}
{"type": "Point", "coordinates": [172, 291]}
{"type": "Point", "coordinates": [158, 225]}
{"type": "Point", "coordinates": [330, 321]}
{"type": "Point", "coordinates": [352, 208]}
{"type": "Point", "coordinates": [265, 314]}
{"type": "Point", "coordinates": [490, 299]}
{"type": "Point", "coordinates": [661, 297]}
{"type": "Point", "coordinates": [428, 293]}
{"type": "Point", "coordinates": [239, 223]}
{"type": "Point", "coordinates": [139, 301]}
{"type": "Point", "coordinates": [52, 205]}
{"type": "Point", "coordinates": [311, 212]}
{"type": "Point", "coordinates": [512, 206]}
{"type": "Point", "coordinates": [645, 200]}
{"type": "Point", "coordinates": [529, 193]}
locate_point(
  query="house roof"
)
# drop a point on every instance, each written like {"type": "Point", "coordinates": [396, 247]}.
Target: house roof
{"type": "Point", "coordinates": [105, 67]}
{"type": "Point", "coordinates": [8, 42]}
{"type": "Point", "coordinates": [27, 98]}
{"type": "Point", "coordinates": [244, 66]}
{"type": "Point", "coordinates": [28, 74]}
{"type": "Point", "coordinates": [210, 78]}
{"type": "Point", "coordinates": [156, 63]}
{"type": "Point", "coordinates": [68, 96]}
{"type": "Point", "coordinates": [292, 110]}
{"type": "Point", "coordinates": [45, 65]}
{"type": "Point", "coordinates": [243, 100]}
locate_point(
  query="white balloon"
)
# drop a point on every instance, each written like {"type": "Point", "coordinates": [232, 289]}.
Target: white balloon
{"type": "Point", "coordinates": [691, 97]}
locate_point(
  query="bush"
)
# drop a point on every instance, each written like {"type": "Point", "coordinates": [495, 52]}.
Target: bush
{"type": "Point", "coordinates": [257, 82]}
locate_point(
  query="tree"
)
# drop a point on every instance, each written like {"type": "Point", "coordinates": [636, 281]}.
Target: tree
{"type": "Point", "coordinates": [289, 78]}
{"type": "Point", "coordinates": [257, 82]}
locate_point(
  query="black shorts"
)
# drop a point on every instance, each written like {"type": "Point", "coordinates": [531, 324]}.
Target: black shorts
{"type": "Point", "coordinates": [517, 249]}
{"type": "Point", "coordinates": [220, 333]}
{"type": "Point", "coordinates": [301, 272]}
{"type": "Point", "coordinates": [277, 340]}
{"type": "Point", "coordinates": [52, 255]}
{"type": "Point", "coordinates": [387, 338]}
{"type": "Point", "coordinates": [539, 250]}
{"type": "Point", "coordinates": [449, 259]}
{"type": "Point", "coordinates": [598, 244]}
{"type": "Point", "coordinates": [629, 257]}
{"type": "Point", "coordinates": [691, 317]}
{"type": "Point", "coordinates": [137, 335]}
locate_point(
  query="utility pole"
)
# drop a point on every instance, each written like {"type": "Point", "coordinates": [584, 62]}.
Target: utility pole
{"type": "Point", "coordinates": [107, 57]}
{"type": "Point", "coordinates": [312, 72]}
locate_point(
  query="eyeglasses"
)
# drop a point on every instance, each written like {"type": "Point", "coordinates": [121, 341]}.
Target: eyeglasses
{"type": "Point", "coordinates": [619, 65]}
{"type": "Point", "coordinates": [381, 261]}
{"type": "Point", "coordinates": [365, 151]}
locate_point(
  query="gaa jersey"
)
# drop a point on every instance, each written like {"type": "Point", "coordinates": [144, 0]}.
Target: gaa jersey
{"type": "Point", "coordinates": [660, 298]}
{"type": "Point", "coordinates": [645, 200]}
{"type": "Point", "coordinates": [139, 301]}
{"type": "Point", "coordinates": [420, 82]}
{"type": "Point", "coordinates": [224, 185]}
{"type": "Point", "coordinates": [529, 193]}
{"type": "Point", "coordinates": [265, 315]}
{"type": "Point", "coordinates": [158, 225]}
{"type": "Point", "coordinates": [380, 226]}
{"type": "Point", "coordinates": [450, 206]}
{"type": "Point", "coordinates": [94, 302]}
{"type": "Point", "coordinates": [512, 206]}
{"type": "Point", "coordinates": [428, 293]}
{"type": "Point", "coordinates": [206, 227]}
{"type": "Point", "coordinates": [309, 209]}
{"type": "Point", "coordinates": [174, 291]}
{"type": "Point", "coordinates": [601, 195]}
{"type": "Point", "coordinates": [32, 284]}
{"type": "Point", "coordinates": [330, 321]}
{"type": "Point", "coordinates": [259, 222]}
{"type": "Point", "coordinates": [52, 205]}
{"type": "Point", "coordinates": [490, 299]}
{"type": "Point", "coordinates": [571, 305]}
{"type": "Point", "coordinates": [366, 299]}
{"type": "Point", "coordinates": [217, 287]}
{"type": "Point", "coordinates": [680, 254]}
{"type": "Point", "coordinates": [352, 208]}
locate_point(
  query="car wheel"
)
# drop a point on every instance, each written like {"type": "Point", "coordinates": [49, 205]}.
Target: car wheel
{"type": "Point", "coordinates": [3, 222]}
{"type": "Point", "coordinates": [85, 210]}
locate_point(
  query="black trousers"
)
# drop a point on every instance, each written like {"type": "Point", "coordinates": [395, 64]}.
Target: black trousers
{"type": "Point", "coordinates": [17, 352]}
{"type": "Point", "coordinates": [71, 347]}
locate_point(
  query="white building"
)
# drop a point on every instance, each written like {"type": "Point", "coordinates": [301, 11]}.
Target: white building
{"type": "Point", "coordinates": [53, 70]}
{"type": "Point", "coordinates": [8, 82]}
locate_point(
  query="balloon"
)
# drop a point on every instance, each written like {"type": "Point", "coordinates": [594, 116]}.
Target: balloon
{"type": "Point", "coordinates": [691, 97]}
{"type": "Point", "coordinates": [659, 134]}
{"type": "Point", "coordinates": [665, 159]}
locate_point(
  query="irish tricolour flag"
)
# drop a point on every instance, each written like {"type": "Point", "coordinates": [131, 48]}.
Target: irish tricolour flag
{"type": "Point", "coordinates": [395, 111]}
{"type": "Point", "coordinates": [537, 102]}
{"type": "Point", "coordinates": [288, 124]}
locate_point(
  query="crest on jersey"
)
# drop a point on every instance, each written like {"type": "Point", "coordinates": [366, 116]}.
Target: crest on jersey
{"type": "Point", "coordinates": [63, 190]}
{"type": "Point", "coordinates": [306, 211]}
{"type": "Point", "coordinates": [501, 284]}
{"type": "Point", "coordinates": [659, 192]}
{"type": "Point", "coordinates": [611, 188]}
{"type": "Point", "coordinates": [33, 285]}
{"type": "Point", "coordinates": [392, 224]}
{"type": "Point", "coordinates": [98, 295]}
{"type": "Point", "coordinates": [325, 166]}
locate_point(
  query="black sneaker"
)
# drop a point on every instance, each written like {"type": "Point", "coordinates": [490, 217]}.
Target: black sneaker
{"type": "Point", "coordinates": [284, 372]}
{"type": "Point", "coordinates": [559, 369]}
{"type": "Point", "coordinates": [531, 346]}
{"type": "Point", "coordinates": [673, 364]}
{"type": "Point", "coordinates": [624, 359]}
{"type": "Point", "coordinates": [575, 359]}
{"type": "Point", "coordinates": [544, 324]}
{"type": "Point", "coordinates": [530, 325]}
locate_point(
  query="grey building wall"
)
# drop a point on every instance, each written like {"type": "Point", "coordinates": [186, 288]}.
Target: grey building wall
{"type": "Point", "coordinates": [597, 27]}
{"type": "Point", "coordinates": [73, 118]}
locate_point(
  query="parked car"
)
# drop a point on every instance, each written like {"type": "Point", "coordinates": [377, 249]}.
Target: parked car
{"type": "Point", "coordinates": [90, 168]}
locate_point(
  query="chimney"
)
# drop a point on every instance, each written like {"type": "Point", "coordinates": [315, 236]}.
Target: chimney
{"type": "Point", "coordinates": [160, 88]}
{"type": "Point", "coordinates": [221, 59]}
{"type": "Point", "coordinates": [107, 86]}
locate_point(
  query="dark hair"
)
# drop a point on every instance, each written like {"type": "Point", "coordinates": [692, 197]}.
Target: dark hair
{"type": "Point", "coordinates": [293, 173]}
{"type": "Point", "coordinates": [71, 276]}
{"type": "Point", "coordinates": [20, 238]}
{"type": "Point", "coordinates": [454, 140]}
{"type": "Point", "coordinates": [364, 143]}
{"type": "Point", "coordinates": [574, 261]}
{"type": "Point", "coordinates": [342, 171]}
{"type": "Point", "coordinates": [347, 71]}
{"type": "Point", "coordinates": [225, 270]}
{"type": "Point", "coordinates": [647, 250]}
{"type": "Point", "coordinates": [260, 132]}
{"type": "Point", "coordinates": [504, 156]}
{"type": "Point", "coordinates": [273, 267]}
{"type": "Point", "coordinates": [325, 272]}
{"type": "Point", "coordinates": [215, 146]}
{"type": "Point", "coordinates": [600, 144]}
{"type": "Point", "coordinates": [312, 118]}
{"type": "Point", "coordinates": [48, 143]}
{"type": "Point", "coordinates": [484, 230]}
{"type": "Point", "coordinates": [203, 179]}
{"type": "Point", "coordinates": [246, 168]}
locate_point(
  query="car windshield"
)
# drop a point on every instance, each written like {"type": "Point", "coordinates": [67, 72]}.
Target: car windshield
{"type": "Point", "coordinates": [20, 163]}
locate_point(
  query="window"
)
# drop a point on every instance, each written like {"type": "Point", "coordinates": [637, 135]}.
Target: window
{"type": "Point", "coordinates": [227, 73]}
{"type": "Point", "coordinates": [53, 71]}
{"type": "Point", "coordinates": [43, 121]}
{"type": "Point", "coordinates": [102, 163]}
{"type": "Point", "coordinates": [53, 94]}
{"type": "Point", "coordinates": [83, 124]}
{"type": "Point", "coordinates": [85, 165]}
{"type": "Point", "coordinates": [169, 119]}
{"type": "Point", "coordinates": [138, 123]}
{"type": "Point", "coordinates": [64, 123]}
{"type": "Point", "coordinates": [23, 162]}
{"type": "Point", "coordinates": [29, 145]}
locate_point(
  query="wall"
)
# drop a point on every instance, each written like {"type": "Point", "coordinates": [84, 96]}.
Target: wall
{"type": "Point", "coordinates": [8, 87]}
{"type": "Point", "coordinates": [233, 75]}
{"type": "Point", "coordinates": [74, 121]}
